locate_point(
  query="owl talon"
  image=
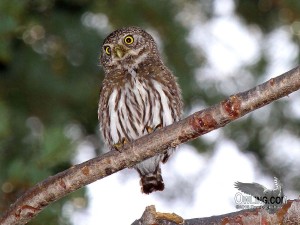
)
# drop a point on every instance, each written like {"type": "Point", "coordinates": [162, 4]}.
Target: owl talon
{"type": "Point", "coordinates": [150, 129]}
{"type": "Point", "coordinates": [158, 126]}
{"type": "Point", "coordinates": [118, 146]}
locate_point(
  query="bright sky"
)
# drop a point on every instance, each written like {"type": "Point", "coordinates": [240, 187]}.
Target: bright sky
{"type": "Point", "coordinates": [228, 44]}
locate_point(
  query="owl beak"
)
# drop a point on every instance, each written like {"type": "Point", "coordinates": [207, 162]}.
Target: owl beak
{"type": "Point", "coordinates": [119, 52]}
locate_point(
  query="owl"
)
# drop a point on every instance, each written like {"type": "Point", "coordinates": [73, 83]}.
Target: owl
{"type": "Point", "coordinates": [139, 95]}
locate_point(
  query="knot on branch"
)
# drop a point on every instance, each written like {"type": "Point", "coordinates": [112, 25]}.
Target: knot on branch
{"type": "Point", "coordinates": [151, 217]}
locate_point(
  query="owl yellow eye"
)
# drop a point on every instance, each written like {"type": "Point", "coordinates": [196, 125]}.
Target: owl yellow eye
{"type": "Point", "coordinates": [107, 50]}
{"type": "Point", "coordinates": [128, 39]}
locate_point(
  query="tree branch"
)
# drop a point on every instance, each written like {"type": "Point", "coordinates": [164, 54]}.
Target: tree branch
{"type": "Point", "coordinates": [287, 214]}
{"type": "Point", "coordinates": [199, 123]}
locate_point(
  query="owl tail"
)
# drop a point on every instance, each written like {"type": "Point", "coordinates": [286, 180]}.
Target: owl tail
{"type": "Point", "coordinates": [152, 182]}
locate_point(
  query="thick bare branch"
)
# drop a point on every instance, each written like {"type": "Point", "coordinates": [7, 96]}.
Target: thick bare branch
{"type": "Point", "coordinates": [287, 214]}
{"type": "Point", "coordinates": [199, 123]}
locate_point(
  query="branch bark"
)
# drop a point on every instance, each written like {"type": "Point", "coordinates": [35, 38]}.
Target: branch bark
{"type": "Point", "coordinates": [195, 125]}
{"type": "Point", "coordinates": [287, 214]}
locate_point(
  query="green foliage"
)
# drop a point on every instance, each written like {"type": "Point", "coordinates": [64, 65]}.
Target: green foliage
{"type": "Point", "coordinates": [50, 78]}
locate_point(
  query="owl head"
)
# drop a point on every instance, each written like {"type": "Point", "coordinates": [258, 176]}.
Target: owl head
{"type": "Point", "coordinates": [126, 48]}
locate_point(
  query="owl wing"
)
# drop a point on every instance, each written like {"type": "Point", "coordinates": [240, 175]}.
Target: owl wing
{"type": "Point", "coordinates": [103, 109]}
{"type": "Point", "coordinates": [172, 90]}
{"type": "Point", "coordinates": [176, 92]}
{"type": "Point", "coordinates": [103, 102]}
{"type": "Point", "coordinates": [254, 189]}
{"type": "Point", "coordinates": [169, 87]}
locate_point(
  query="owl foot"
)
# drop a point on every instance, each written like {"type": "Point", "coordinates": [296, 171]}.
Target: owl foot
{"type": "Point", "coordinates": [150, 129]}
{"type": "Point", "coordinates": [118, 146]}
{"type": "Point", "coordinates": [158, 126]}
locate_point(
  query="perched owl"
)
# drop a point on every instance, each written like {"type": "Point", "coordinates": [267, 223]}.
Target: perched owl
{"type": "Point", "coordinates": [139, 94]}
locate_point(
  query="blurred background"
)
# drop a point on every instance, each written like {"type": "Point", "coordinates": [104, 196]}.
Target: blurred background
{"type": "Point", "coordinates": [49, 87]}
